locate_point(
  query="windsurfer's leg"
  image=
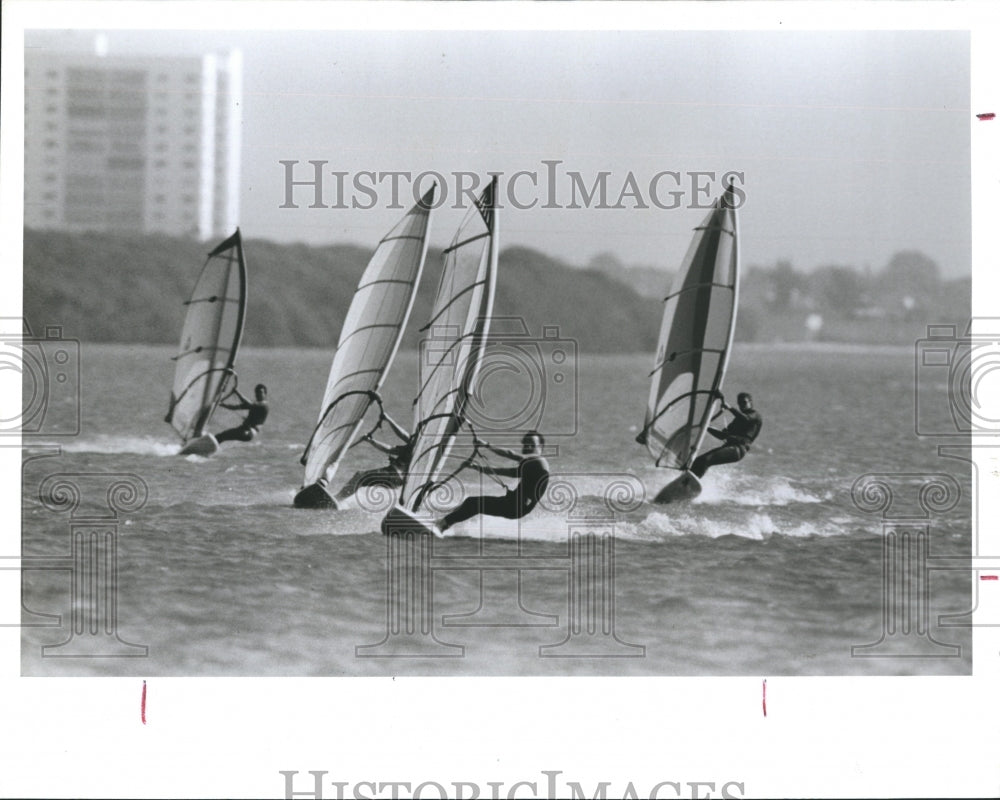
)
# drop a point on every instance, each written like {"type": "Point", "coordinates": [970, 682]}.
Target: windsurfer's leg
{"type": "Point", "coordinates": [368, 479]}
{"type": "Point", "coordinates": [231, 435]}
{"type": "Point", "coordinates": [352, 485]}
{"type": "Point", "coordinates": [727, 454]}
{"type": "Point", "coordinates": [490, 505]}
{"type": "Point", "coordinates": [238, 434]}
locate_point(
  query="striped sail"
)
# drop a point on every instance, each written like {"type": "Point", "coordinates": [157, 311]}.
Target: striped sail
{"type": "Point", "coordinates": [210, 338]}
{"type": "Point", "coordinates": [452, 349]}
{"type": "Point", "coordinates": [369, 338]}
{"type": "Point", "coordinates": [699, 317]}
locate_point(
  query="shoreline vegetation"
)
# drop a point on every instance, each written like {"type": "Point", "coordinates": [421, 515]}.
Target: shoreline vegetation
{"type": "Point", "coordinates": [131, 288]}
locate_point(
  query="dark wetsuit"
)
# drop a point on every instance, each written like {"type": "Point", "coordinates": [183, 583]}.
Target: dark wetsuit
{"type": "Point", "coordinates": [392, 475]}
{"type": "Point", "coordinates": [533, 472]}
{"type": "Point", "coordinates": [737, 435]}
{"type": "Point", "coordinates": [246, 430]}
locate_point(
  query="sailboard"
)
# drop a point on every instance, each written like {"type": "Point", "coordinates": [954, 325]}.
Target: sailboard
{"type": "Point", "coordinates": [696, 336]}
{"type": "Point", "coordinates": [210, 339]}
{"type": "Point", "coordinates": [450, 358]}
{"type": "Point", "coordinates": [369, 339]}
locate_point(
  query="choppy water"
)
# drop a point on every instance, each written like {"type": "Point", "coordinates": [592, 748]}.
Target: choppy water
{"type": "Point", "coordinates": [773, 570]}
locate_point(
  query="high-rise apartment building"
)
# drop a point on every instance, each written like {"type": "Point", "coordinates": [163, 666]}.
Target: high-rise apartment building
{"type": "Point", "coordinates": [130, 143]}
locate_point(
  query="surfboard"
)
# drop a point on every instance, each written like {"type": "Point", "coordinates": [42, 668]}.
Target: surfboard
{"type": "Point", "coordinates": [400, 521]}
{"type": "Point", "coordinates": [315, 496]}
{"type": "Point", "coordinates": [685, 486]}
{"type": "Point", "coordinates": [696, 336]}
{"type": "Point", "coordinates": [204, 446]}
{"type": "Point", "coordinates": [451, 353]}
{"type": "Point", "coordinates": [210, 339]}
{"type": "Point", "coordinates": [369, 339]}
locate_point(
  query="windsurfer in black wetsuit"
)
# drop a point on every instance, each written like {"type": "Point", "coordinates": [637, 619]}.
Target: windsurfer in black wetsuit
{"type": "Point", "coordinates": [391, 475]}
{"type": "Point", "coordinates": [737, 436]}
{"type": "Point", "coordinates": [532, 470]}
{"type": "Point", "coordinates": [256, 415]}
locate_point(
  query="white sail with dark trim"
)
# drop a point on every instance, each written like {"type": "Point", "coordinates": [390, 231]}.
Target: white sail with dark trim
{"type": "Point", "coordinates": [369, 338]}
{"type": "Point", "coordinates": [210, 339]}
{"type": "Point", "coordinates": [695, 339]}
{"type": "Point", "coordinates": [453, 346]}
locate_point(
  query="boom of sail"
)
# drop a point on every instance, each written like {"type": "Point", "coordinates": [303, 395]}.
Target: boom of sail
{"type": "Point", "coordinates": [369, 338]}
{"type": "Point", "coordinates": [696, 335]}
{"type": "Point", "coordinates": [210, 339]}
{"type": "Point", "coordinates": [453, 348]}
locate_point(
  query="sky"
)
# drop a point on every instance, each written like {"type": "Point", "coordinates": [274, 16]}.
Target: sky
{"type": "Point", "coordinates": [850, 145]}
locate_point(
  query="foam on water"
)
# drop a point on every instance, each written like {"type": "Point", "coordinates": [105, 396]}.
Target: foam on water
{"type": "Point", "coordinates": [137, 445]}
{"type": "Point", "coordinates": [776, 491]}
{"type": "Point", "coordinates": [757, 526]}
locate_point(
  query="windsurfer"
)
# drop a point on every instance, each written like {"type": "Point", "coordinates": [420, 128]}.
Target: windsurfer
{"type": "Point", "coordinates": [256, 415]}
{"type": "Point", "coordinates": [737, 436]}
{"type": "Point", "coordinates": [391, 475]}
{"type": "Point", "coordinates": [532, 470]}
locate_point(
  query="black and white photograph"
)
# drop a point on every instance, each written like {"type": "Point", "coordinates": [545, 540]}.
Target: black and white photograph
{"type": "Point", "coordinates": [441, 399]}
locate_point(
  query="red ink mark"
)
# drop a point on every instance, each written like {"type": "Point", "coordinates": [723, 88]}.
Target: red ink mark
{"type": "Point", "coordinates": [986, 117]}
{"type": "Point", "coordinates": [988, 578]}
{"type": "Point", "coordinates": [143, 710]}
{"type": "Point", "coordinates": [763, 701]}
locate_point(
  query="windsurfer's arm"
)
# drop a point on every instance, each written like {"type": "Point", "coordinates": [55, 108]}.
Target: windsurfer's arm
{"type": "Point", "coordinates": [499, 450]}
{"type": "Point", "coordinates": [736, 413]}
{"type": "Point", "coordinates": [717, 433]}
{"type": "Point", "coordinates": [243, 404]}
{"type": "Point", "coordinates": [384, 448]}
{"type": "Point", "coordinates": [506, 472]}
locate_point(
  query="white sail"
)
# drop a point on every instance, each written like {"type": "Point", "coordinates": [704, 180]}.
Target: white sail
{"type": "Point", "coordinates": [369, 338]}
{"type": "Point", "coordinates": [210, 339]}
{"type": "Point", "coordinates": [695, 339]}
{"type": "Point", "coordinates": [452, 350]}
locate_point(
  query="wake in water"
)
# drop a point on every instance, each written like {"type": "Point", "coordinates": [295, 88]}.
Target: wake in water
{"type": "Point", "coordinates": [780, 506]}
{"type": "Point", "coordinates": [729, 487]}
{"type": "Point", "coordinates": [136, 445]}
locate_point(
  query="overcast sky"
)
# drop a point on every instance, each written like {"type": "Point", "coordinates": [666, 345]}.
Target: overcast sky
{"type": "Point", "coordinates": [852, 145]}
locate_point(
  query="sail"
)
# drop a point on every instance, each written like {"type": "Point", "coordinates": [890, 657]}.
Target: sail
{"type": "Point", "coordinates": [699, 317]}
{"type": "Point", "coordinates": [453, 347]}
{"type": "Point", "coordinates": [210, 339]}
{"type": "Point", "coordinates": [369, 338]}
